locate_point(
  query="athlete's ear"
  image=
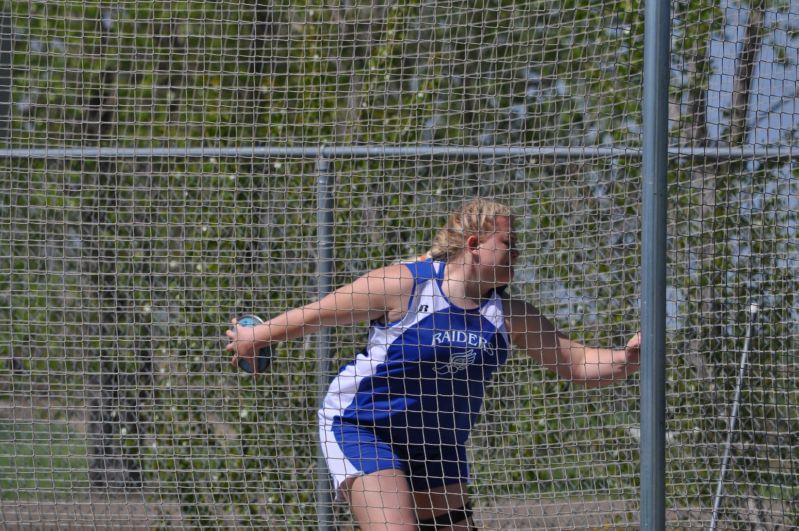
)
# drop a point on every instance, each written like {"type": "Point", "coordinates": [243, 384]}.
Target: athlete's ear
{"type": "Point", "coordinates": [472, 243]}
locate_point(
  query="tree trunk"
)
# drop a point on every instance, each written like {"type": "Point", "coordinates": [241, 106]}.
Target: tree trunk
{"type": "Point", "coordinates": [117, 390]}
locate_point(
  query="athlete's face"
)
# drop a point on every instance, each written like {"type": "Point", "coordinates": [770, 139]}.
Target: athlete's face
{"type": "Point", "coordinates": [497, 253]}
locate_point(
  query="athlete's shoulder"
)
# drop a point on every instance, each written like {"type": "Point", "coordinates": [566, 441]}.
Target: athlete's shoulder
{"type": "Point", "coordinates": [515, 308]}
{"type": "Point", "coordinates": [423, 269]}
{"type": "Point", "coordinates": [396, 277]}
{"type": "Point", "coordinates": [521, 317]}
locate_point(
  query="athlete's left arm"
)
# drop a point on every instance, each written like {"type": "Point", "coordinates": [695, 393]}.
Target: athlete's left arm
{"type": "Point", "coordinates": [533, 333]}
{"type": "Point", "coordinates": [595, 367]}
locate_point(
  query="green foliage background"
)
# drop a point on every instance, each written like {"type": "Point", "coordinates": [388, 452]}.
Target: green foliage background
{"type": "Point", "coordinates": [118, 275]}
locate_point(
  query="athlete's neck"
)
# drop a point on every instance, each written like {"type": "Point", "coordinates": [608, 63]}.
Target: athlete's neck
{"type": "Point", "coordinates": [460, 286]}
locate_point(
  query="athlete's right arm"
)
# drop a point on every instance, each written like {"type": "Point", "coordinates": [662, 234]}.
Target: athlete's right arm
{"type": "Point", "coordinates": [382, 293]}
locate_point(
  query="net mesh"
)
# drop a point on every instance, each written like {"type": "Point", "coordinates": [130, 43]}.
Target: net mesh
{"type": "Point", "coordinates": [121, 265]}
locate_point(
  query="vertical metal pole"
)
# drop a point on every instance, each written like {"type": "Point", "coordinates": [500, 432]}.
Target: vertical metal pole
{"type": "Point", "coordinates": [325, 186]}
{"type": "Point", "coordinates": [731, 424]}
{"type": "Point", "coordinates": [657, 28]}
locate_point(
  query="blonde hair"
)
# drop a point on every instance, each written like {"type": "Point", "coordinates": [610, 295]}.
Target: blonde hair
{"type": "Point", "coordinates": [477, 217]}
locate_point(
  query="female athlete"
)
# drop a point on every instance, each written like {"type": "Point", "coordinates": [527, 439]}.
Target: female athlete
{"type": "Point", "coordinates": [395, 421]}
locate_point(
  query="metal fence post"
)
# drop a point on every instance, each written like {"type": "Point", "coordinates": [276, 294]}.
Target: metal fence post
{"type": "Point", "coordinates": [325, 186]}
{"type": "Point", "coordinates": [657, 57]}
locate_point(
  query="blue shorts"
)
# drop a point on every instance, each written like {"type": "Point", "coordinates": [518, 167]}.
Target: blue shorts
{"type": "Point", "coordinates": [352, 451]}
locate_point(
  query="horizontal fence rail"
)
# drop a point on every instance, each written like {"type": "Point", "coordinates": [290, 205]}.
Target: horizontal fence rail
{"type": "Point", "coordinates": [355, 151]}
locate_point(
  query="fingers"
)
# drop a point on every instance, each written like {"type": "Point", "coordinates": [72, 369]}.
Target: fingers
{"type": "Point", "coordinates": [635, 341]}
{"type": "Point", "coordinates": [243, 343]}
{"type": "Point", "coordinates": [633, 349]}
{"type": "Point", "coordinates": [231, 334]}
{"type": "Point", "coordinates": [234, 360]}
{"type": "Point", "coordinates": [235, 343]}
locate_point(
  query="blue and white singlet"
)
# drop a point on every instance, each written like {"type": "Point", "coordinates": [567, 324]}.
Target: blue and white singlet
{"type": "Point", "coordinates": [421, 380]}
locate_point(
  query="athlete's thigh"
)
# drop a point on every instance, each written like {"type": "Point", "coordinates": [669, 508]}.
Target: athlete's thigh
{"type": "Point", "coordinates": [439, 476]}
{"type": "Point", "coordinates": [381, 500]}
{"type": "Point", "coordinates": [440, 500]}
